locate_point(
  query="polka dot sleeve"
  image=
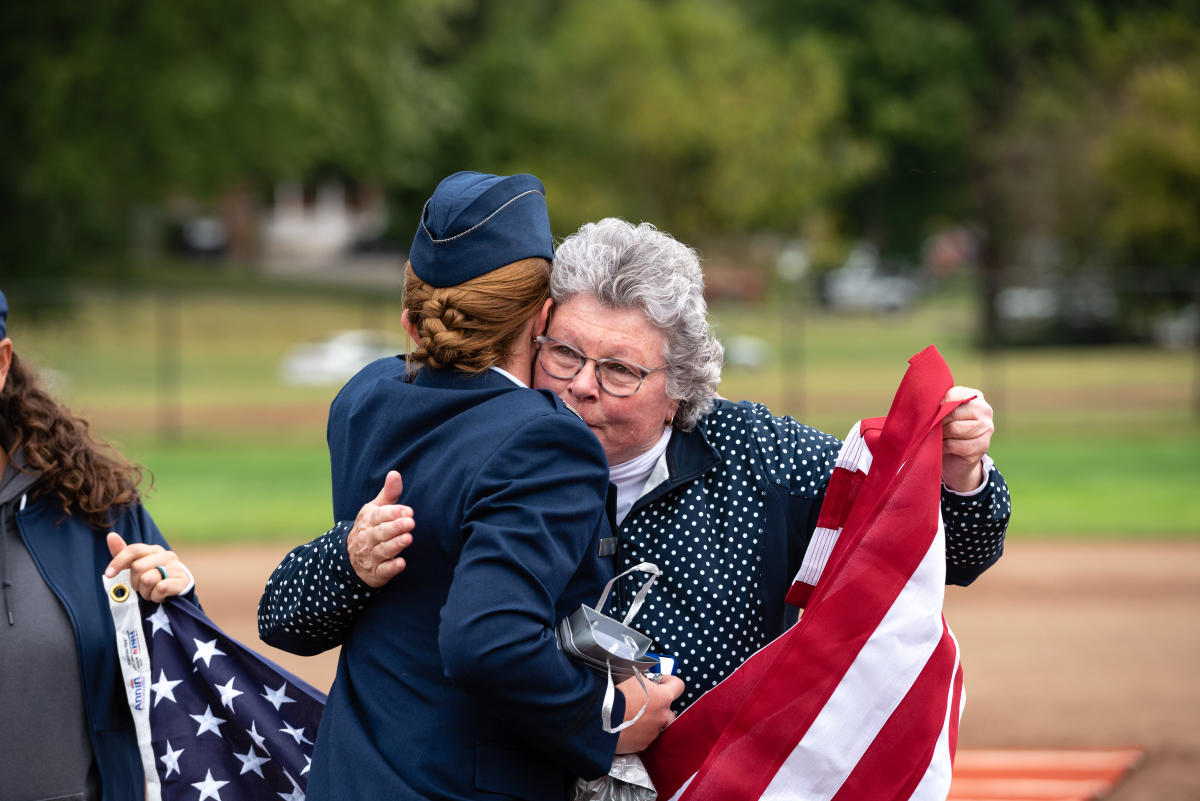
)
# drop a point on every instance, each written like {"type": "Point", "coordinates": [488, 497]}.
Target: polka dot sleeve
{"type": "Point", "coordinates": [975, 528]}
{"type": "Point", "coordinates": [313, 596]}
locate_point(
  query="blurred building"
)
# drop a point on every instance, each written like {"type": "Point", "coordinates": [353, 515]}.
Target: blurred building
{"type": "Point", "coordinates": [309, 228]}
{"type": "Point", "coordinates": [315, 228]}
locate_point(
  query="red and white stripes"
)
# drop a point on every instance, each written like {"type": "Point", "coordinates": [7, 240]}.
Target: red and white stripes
{"type": "Point", "coordinates": [860, 699]}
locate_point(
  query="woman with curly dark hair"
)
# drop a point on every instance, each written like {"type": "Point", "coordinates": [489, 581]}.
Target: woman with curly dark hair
{"type": "Point", "coordinates": [68, 732]}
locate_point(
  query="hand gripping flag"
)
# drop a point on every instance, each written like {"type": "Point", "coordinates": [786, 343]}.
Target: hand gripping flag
{"type": "Point", "coordinates": [214, 719]}
{"type": "Point", "coordinates": [860, 700]}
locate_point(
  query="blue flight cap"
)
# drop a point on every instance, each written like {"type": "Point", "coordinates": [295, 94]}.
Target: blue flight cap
{"type": "Point", "coordinates": [476, 223]}
{"type": "Point", "coordinates": [3, 316]}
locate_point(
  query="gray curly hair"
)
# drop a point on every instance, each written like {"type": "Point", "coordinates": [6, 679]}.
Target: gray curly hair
{"type": "Point", "coordinates": [624, 266]}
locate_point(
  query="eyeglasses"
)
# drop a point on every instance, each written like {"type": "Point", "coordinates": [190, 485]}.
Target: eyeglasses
{"type": "Point", "coordinates": [616, 377]}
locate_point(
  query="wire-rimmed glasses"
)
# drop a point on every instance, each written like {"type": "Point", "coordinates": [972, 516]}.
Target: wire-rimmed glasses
{"type": "Point", "coordinates": [615, 376]}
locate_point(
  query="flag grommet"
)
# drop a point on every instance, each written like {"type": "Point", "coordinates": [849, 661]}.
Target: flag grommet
{"type": "Point", "coordinates": [120, 593]}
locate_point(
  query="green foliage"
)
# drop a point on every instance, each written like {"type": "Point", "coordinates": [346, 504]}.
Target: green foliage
{"type": "Point", "coordinates": [111, 105]}
{"type": "Point", "coordinates": [676, 112]}
{"type": "Point", "coordinates": [1102, 153]}
{"type": "Point", "coordinates": [1076, 122]}
{"type": "Point", "coordinates": [1069, 120]}
{"type": "Point", "coordinates": [1149, 165]}
{"type": "Point", "coordinates": [914, 75]}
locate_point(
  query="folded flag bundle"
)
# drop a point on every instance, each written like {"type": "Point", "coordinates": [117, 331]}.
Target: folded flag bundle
{"type": "Point", "coordinates": [214, 719]}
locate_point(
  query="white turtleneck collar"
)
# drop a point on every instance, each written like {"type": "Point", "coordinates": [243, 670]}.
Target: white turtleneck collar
{"type": "Point", "coordinates": [631, 477]}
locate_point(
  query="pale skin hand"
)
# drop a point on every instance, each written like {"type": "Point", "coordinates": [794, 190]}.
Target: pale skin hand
{"type": "Point", "coordinates": [966, 435]}
{"type": "Point", "coordinates": [381, 531]}
{"type": "Point", "coordinates": [656, 717]}
{"type": "Point", "coordinates": [143, 561]}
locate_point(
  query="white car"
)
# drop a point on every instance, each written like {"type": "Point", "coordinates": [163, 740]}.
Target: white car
{"type": "Point", "coordinates": [860, 285]}
{"type": "Point", "coordinates": [338, 358]}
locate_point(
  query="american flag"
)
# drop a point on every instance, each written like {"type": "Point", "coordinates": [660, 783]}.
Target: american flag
{"type": "Point", "coordinates": [861, 698]}
{"type": "Point", "coordinates": [214, 719]}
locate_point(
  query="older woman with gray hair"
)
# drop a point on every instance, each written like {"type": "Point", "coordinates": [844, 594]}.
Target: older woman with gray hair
{"type": "Point", "coordinates": [723, 496]}
{"type": "Point", "coordinates": [640, 268]}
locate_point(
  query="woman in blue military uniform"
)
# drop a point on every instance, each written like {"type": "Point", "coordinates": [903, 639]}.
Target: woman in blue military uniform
{"type": "Point", "coordinates": [450, 683]}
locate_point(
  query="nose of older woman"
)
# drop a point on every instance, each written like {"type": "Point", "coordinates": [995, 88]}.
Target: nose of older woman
{"type": "Point", "coordinates": [584, 384]}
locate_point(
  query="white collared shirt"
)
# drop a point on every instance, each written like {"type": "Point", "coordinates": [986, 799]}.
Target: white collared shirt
{"type": "Point", "coordinates": [509, 376]}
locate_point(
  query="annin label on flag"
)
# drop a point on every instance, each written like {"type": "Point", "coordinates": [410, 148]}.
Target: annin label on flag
{"type": "Point", "coordinates": [214, 719]}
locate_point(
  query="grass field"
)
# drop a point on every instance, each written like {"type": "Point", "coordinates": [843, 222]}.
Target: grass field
{"type": "Point", "coordinates": [1092, 441]}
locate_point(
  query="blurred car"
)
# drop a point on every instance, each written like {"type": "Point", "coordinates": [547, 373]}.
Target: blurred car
{"type": "Point", "coordinates": [337, 358]}
{"type": "Point", "coordinates": [1073, 309]}
{"type": "Point", "coordinates": [1177, 329]}
{"type": "Point", "coordinates": [742, 350]}
{"type": "Point", "coordinates": [1024, 303]}
{"type": "Point", "coordinates": [861, 284]}
{"type": "Point", "coordinates": [199, 237]}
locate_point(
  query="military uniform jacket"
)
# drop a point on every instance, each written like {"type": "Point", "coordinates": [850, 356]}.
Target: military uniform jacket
{"type": "Point", "coordinates": [450, 683]}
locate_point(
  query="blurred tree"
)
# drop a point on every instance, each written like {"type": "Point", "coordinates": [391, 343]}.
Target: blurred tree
{"type": "Point", "coordinates": [1023, 116]}
{"type": "Point", "coordinates": [1101, 156]}
{"type": "Point", "coordinates": [1148, 160]}
{"type": "Point", "coordinates": [110, 105]}
{"type": "Point", "coordinates": [677, 112]}
{"type": "Point", "coordinates": [913, 73]}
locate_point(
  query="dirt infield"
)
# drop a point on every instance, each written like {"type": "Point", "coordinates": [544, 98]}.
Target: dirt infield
{"type": "Point", "coordinates": [1065, 644]}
